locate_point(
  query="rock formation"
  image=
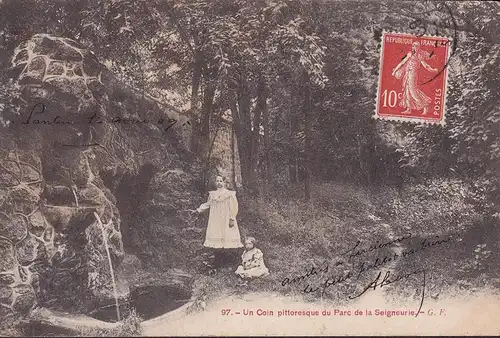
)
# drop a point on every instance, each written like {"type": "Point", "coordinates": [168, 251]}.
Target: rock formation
{"type": "Point", "coordinates": [58, 166]}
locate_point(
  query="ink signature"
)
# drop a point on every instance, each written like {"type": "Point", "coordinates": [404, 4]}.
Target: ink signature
{"type": "Point", "coordinates": [40, 108]}
{"type": "Point", "coordinates": [386, 281]}
{"type": "Point", "coordinates": [383, 276]}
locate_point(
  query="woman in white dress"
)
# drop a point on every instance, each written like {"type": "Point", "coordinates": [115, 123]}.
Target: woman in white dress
{"type": "Point", "coordinates": [222, 230]}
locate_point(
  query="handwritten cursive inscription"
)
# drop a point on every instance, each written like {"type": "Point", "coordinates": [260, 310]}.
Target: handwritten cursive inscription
{"type": "Point", "coordinates": [313, 271]}
{"type": "Point", "coordinates": [357, 250]}
{"type": "Point", "coordinates": [34, 119]}
{"type": "Point", "coordinates": [372, 261]}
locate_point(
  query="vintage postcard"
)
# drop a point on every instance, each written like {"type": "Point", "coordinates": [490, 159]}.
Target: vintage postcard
{"type": "Point", "coordinates": [249, 168]}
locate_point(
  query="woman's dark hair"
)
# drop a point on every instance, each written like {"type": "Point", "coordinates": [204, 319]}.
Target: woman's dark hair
{"type": "Point", "coordinates": [212, 185]}
{"type": "Point", "coordinates": [221, 176]}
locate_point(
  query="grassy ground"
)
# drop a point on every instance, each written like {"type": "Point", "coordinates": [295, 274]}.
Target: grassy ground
{"type": "Point", "coordinates": [295, 235]}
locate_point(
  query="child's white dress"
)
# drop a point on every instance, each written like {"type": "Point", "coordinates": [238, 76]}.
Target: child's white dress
{"type": "Point", "coordinates": [223, 206]}
{"type": "Point", "coordinates": [252, 264]}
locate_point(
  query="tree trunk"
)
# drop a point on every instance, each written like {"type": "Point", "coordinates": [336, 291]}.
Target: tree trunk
{"type": "Point", "coordinates": [195, 87]}
{"type": "Point", "coordinates": [240, 137]}
{"type": "Point", "coordinates": [306, 109]}
{"type": "Point", "coordinates": [248, 131]}
{"type": "Point", "coordinates": [267, 146]}
{"type": "Point", "coordinates": [204, 141]}
{"type": "Point", "coordinates": [206, 112]}
{"type": "Point", "coordinates": [233, 157]}
{"type": "Point", "coordinates": [196, 81]}
{"type": "Point", "coordinates": [244, 131]}
{"type": "Point", "coordinates": [255, 137]}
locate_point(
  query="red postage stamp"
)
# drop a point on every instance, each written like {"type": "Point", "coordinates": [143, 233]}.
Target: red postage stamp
{"type": "Point", "coordinates": [412, 78]}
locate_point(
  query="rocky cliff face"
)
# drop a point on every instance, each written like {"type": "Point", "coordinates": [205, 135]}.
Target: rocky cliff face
{"type": "Point", "coordinates": [65, 179]}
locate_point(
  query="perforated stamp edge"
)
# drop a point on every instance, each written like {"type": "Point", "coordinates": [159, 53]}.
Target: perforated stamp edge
{"type": "Point", "coordinates": [412, 119]}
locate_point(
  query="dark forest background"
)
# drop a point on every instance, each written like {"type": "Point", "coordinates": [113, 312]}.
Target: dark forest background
{"type": "Point", "coordinates": [298, 78]}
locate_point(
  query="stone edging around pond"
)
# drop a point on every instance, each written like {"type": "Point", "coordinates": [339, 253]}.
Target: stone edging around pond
{"type": "Point", "coordinates": [72, 322]}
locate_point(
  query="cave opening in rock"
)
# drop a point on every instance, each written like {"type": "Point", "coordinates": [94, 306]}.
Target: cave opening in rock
{"type": "Point", "coordinates": [131, 191]}
{"type": "Point", "coordinates": [147, 301]}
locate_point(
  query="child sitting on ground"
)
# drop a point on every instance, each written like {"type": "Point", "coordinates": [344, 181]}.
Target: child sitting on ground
{"type": "Point", "coordinates": [252, 261]}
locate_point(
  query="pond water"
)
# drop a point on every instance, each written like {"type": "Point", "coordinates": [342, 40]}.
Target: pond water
{"type": "Point", "coordinates": [41, 330]}
{"type": "Point", "coordinates": [148, 302]}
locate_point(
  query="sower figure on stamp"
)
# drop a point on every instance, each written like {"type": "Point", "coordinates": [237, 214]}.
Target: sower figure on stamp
{"type": "Point", "coordinates": [412, 96]}
{"type": "Point", "coordinates": [222, 233]}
